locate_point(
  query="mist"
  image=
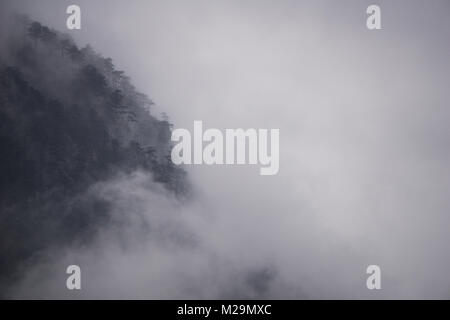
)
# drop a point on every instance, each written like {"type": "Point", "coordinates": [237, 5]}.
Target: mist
{"type": "Point", "coordinates": [364, 154]}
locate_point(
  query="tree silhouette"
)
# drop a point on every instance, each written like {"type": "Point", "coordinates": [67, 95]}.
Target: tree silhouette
{"type": "Point", "coordinates": [35, 32]}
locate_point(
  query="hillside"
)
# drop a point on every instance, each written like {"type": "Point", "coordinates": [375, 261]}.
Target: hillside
{"type": "Point", "coordinates": [68, 119]}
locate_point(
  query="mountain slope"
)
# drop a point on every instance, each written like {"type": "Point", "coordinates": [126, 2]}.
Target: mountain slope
{"type": "Point", "coordinates": [68, 120]}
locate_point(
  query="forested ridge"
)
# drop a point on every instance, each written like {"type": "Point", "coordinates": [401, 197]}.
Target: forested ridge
{"type": "Point", "coordinates": [68, 119]}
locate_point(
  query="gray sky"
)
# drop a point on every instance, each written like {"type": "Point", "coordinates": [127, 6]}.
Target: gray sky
{"type": "Point", "coordinates": [363, 118]}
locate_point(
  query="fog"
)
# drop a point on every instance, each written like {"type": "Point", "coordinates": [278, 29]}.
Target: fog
{"type": "Point", "coordinates": [364, 151]}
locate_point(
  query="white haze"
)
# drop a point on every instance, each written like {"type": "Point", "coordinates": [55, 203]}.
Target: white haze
{"type": "Point", "coordinates": [364, 151]}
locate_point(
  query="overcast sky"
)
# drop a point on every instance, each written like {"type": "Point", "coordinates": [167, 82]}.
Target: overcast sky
{"type": "Point", "coordinates": [364, 143]}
